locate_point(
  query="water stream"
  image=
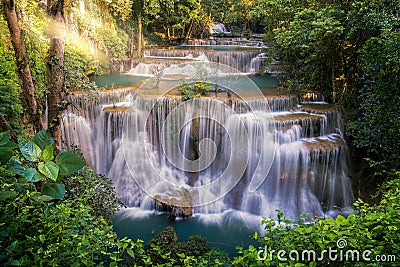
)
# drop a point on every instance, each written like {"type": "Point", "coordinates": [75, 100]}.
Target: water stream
{"type": "Point", "coordinates": [221, 162]}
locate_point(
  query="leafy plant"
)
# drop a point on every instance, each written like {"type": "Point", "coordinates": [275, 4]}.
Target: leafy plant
{"type": "Point", "coordinates": [195, 89]}
{"type": "Point", "coordinates": [376, 127]}
{"type": "Point", "coordinates": [43, 233]}
{"type": "Point", "coordinates": [39, 164]}
{"type": "Point", "coordinates": [45, 223]}
{"type": "Point", "coordinates": [369, 228]}
{"type": "Point", "coordinates": [310, 48]}
{"type": "Point", "coordinates": [94, 190]}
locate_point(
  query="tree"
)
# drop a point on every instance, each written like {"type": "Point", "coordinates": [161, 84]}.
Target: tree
{"type": "Point", "coordinates": [276, 14]}
{"type": "Point", "coordinates": [310, 47]}
{"type": "Point", "coordinates": [55, 68]}
{"type": "Point", "coordinates": [32, 117]}
{"type": "Point", "coordinates": [137, 9]}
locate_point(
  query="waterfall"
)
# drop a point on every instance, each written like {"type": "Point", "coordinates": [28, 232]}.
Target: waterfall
{"type": "Point", "coordinates": [245, 60]}
{"type": "Point", "coordinates": [210, 156]}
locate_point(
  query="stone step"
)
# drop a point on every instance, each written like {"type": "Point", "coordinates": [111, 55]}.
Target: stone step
{"type": "Point", "coordinates": [324, 143]}
{"type": "Point", "coordinates": [316, 107]}
{"type": "Point", "coordinates": [291, 126]}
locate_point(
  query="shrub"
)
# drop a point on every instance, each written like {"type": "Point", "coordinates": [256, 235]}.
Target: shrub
{"type": "Point", "coordinates": [192, 90]}
{"type": "Point", "coordinates": [369, 228]}
{"type": "Point", "coordinates": [93, 190]}
{"type": "Point", "coordinates": [42, 233]}
{"type": "Point", "coordinates": [164, 248]}
{"type": "Point", "coordinates": [39, 226]}
{"type": "Point", "coordinates": [376, 130]}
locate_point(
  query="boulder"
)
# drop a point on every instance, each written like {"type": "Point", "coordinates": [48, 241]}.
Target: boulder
{"type": "Point", "coordinates": [179, 201]}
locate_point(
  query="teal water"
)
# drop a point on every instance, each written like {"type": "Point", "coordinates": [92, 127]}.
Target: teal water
{"type": "Point", "coordinates": [117, 80]}
{"type": "Point", "coordinates": [265, 83]}
{"type": "Point", "coordinates": [223, 231]}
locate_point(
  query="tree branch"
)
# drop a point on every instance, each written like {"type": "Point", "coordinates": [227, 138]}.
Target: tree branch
{"type": "Point", "coordinates": [5, 126]}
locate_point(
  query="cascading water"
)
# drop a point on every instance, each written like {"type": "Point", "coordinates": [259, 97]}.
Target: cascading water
{"type": "Point", "coordinates": [223, 156]}
{"type": "Point", "coordinates": [243, 59]}
{"type": "Point", "coordinates": [223, 160]}
{"type": "Point", "coordinates": [236, 59]}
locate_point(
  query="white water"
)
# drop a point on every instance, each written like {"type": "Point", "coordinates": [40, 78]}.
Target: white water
{"type": "Point", "coordinates": [229, 159]}
{"type": "Point", "coordinates": [228, 156]}
{"type": "Point", "coordinates": [251, 61]}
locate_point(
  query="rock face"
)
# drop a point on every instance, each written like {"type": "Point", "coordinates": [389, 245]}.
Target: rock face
{"type": "Point", "coordinates": [179, 201]}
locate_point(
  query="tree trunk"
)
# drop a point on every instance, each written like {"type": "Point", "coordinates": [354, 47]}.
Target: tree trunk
{"type": "Point", "coordinates": [139, 35]}
{"type": "Point", "coordinates": [132, 46]}
{"type": "Point", "coordinates": [31, 115]}
{"type": "Point", "coordinates": [189, 31]}
{"type": "Point", "coordinates": [55, 69]}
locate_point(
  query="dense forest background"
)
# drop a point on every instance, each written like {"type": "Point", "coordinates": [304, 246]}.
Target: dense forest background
{"type": "Point", "coordinates": [348, 50]}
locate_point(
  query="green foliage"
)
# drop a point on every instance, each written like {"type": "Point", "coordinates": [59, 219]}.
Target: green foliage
{"type": "Point", "coordinates": [114, 42]}
{"type": "Point", "coordinates": [50, 227]}
{"type": "Point", "coordinates": [373, 228]}
{"type": "Point", "coordinates": [37, 233]}
{"type": "Point", "coordinates": [37, 165]}
{"type": "Point", "coordinates": [376, 129]}
{"type": "Point", "coordinates": [93, 190]}
{"type": "Point", "coordinates": [310, 49]}
{"type": "Point", "coordinates": [9, 97]}
{"type": "Point", "coordinates": [95, 28]}
{"type": "Point", "coordinates": [164, 248]}
{"type": "Point", "coordinates": [35, 24]}
{"type": "Point", "coordinates": [192, 90]}
{"type": "Point", "coordinates": [6, 147]}
{"type": "Point", "coordinates": [276, 14]}
{"type": "Point", "coordinates": [79, 65]}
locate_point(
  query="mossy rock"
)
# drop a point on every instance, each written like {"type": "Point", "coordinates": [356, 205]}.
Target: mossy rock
{"type": "Point", "coordinates": [166, 237]}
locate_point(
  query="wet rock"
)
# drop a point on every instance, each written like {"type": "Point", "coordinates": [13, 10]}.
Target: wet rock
{"type": "Point", "coordinates": [172, 217]}
{"type": "Point", "coordinates": [179, 201]}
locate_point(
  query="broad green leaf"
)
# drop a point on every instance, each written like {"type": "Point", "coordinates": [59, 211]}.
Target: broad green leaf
{"type": "Point", "coordinates": [16, 167]}
{"type": "Point", "coordinates": [6, 147]}
{"type": "Point", "coordinates": [54, 190]}
{"type": "Point", "coordinates": [131, 253]}
{"type": "Point", "coordinates": [44, 198]}
{"type": "Point", "coordinates": [5, 136]}
{"type": "Point", "coordinates": [47, 153]}
{"type": "Point", "coordinates": [6, 194]}
{"type": "Point", "coordinates": [29, 150]}
{"type": "Point", "coordinates": [5, 155]}
{"type": "Point", "coordinates": [50, 170]}
{"type": "Point", "coordinates": [43, 139]}
{"type": "Point", "coordinates": [5, 141]}
{"type": "Point", "coordinates": [69, 162]}
{"type": "Point", "coordinates": [32, 175]}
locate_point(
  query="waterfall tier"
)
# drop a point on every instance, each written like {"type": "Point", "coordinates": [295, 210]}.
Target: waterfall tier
{"type": "Point", "coordinates": [245, 59]}
{"type": "Point", "coordinates": [210, 155]}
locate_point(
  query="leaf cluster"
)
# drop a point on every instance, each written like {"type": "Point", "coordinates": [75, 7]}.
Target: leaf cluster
{"type": "Point", "coordinates": [41, 224]}
{"type": "Point", "coordinates": [373, 228]}
{"type": "Point", "coordinates": [36, 161]}
{"type": "Point", "coordinates": [194, 90]}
